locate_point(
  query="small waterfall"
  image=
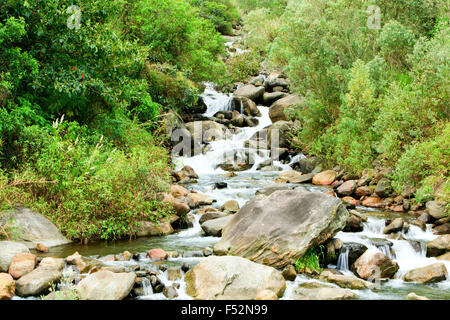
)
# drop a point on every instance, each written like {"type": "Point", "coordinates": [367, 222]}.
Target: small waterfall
{"type": "Point", "coordinates": [386, 250]}
{"type": "Point", "coordinates": [242, 107]}
{"type": "Point", "coordinates": [215, 101]}
{"type": "Point", "coordinates": [342, 263]}
{"type": "Point", "coordinates": [147, 287]}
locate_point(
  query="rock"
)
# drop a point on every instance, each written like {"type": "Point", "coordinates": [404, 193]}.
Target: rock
{"type": "Point", "coordinates": [250, 91]}
{"type": "Point", "coordinates": [420, 224]}
{"type": "Point", "coordinates": [106, 285]}
{"type": "Point", "coordinates": [7, 286]}
{"type": "Point", "coordinates": [238, 120]}
{"type": "Point", "coordinates": [224, 278]}
{"type": "Point", "coordinates": [278, 136]}
{"type": "Point", "coordinates": [173, 274]}
{"type": "Point", "coordinates": [181, 207]}
{"type": "Point", "coordinates": [306, 165]}
{"type": "Point", "coordinates": [442, 229]}
{"type": "Point", "coordinates": [41, 248]}
{"type": "Point", "coordinates": [435, 209]}
{"type": "Point", "coordinates": [178, 191]}
{"type": "Point", "coordinates": [425, 217]}
{"type": "Point", "coordinates": [289, 273]}
{"type": "Point", "coordinates": [383, 188]}
{"type": "Point", "coordinates": [267, 191]}
{"type": "Point", "coordinates": [355, 250]}
{"type": "Point", "coordinates": [170, 292]}
{"type": "Point", "coordinates": [354, 224]}
{"type": "Point", "coordinates": [325, 178]}
{"type": "Point", "coordinates": [207, 252]}
{"type": "Point", "coordinates": [413, 296]}
{"type": "Point", "coordinates": [186, 172]}
{"type": "Point", "coordinates": [275, 80]}
{"type": "Point", "coordinates": [363, 191]}
{"type": "Point", "coordinates": [212, 216]}
{"type": "Point", "coordinates": [395, 226]}
{"type": "Point", "coordinates": [266, 295]}
{"type": "Point", "coordinates": [279, 229]}
{"type": "Point", "coordinates": [206, 131]}
{"type": "Point", "coordinates": [21, 264]}
{"type": "Point", "coordinates": [214, 227]}
{"type": "Point", "coordinates": [346, 281]}
{"type": "Point", "coordinates": [245, 106]}
{"type": "Point", "coordinates": [77, 260]}
{"type": "Point", "coordinates": [347, 188]}
{"type": "Point", "coordinates": [289, 177]}
{"type": "Point", "coordinates": [40, 280]}
{"type": "Point", "coordinates": [318, 291]}
{"type": "Point", "coordinates": [157, 254]}
{"type": "Point", "coordinates": [34, 228]}
{"type": "Point", "coordinates": [277, 111]}
{"type": "Point", "coordinates": [200, 199]}
{"type": "Point", "coordinates": [374, 202]}
{"type": "Point", "coordinates": [8, 249]}
{"type": "Point", "coordinates": [270, 97]}
{"type": "Point", "coordinates": [373, 263]}
{"type": "Point", "coordinates": [429, 274]}
{"type": "Point", "coordinates": [221, 185]}
{"type": "Point", "coordinates": [438, 246]}
{"type": "Point", "coordinates": [445, 257]}
{"type": "Point", "coordinates": [332, 247]}
{"type": "Point", "coordinates": [350, 202]}
{"type": "Point", "coordinates": [149, 229]}
{"type": "Point", "coordinates": [231, 206]}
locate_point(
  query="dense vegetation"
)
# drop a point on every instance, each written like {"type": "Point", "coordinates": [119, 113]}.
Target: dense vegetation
{"type": "Point", "coordinates": [371, 93]}
{"type": "Point", "coordinates": [81, 89]}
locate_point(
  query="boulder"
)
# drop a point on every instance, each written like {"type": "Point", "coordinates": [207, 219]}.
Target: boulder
{"type": "Point", "coordinates": [231, 206]}
{"type": "Point", "coordinates": [149, 229]}
{"type": "Point", "coordinates": [41, 279]}
{"type": "Point", "coordinates": [429, 274]}
{"type": "Point", "coordinates": [354, 224]}
{"type": "Point", "coordinates": [395, 226]}
{"type": "Point", "coordinates": [106, 285]}
{"type": "Point", "coordinates": [21, 264]}
{"type": "Point", "coordinates": [444, 257]}
{"type": "Point", "coordinates": [278, 135]}
{"type": "Point", "coordinates": [435, 209]}
{"type": "Point", "coordinates": [173, 274]}
{"type": "Point", "coordinates": [277, 111]}
{"type": "Point", "coordinates": [225, 278]}
{"type": "Point", "coordinates": [307, 165]}
{"type": "Point", "coordinates": [355, 250]}
{"type": "Point", "coordinates": [346, 281]}
{"type": "Point", "coordinates": [199, 199]}
{"type": "Point", "coordinates": [267, 191]}
{"type": "Point", "coordinates": [289, 177]}
{"type": "Point", "coordinates": [186, 172]}
{"type": "Point", "coordinates": [319, 291]}
{"type": "Point", "coordinates": [8, 249]}
{"type": "Point", "coordinates": [414, 296]}
{"type": "Point", "coordinates": [212, 215]}
{"type": "Point", "coordinates": [347, 188]}
{"type": "Point", "coordinates": [7, 286]}
{"type": "Point", "coordinates": [180, 207]}
{"type": "Point", "coordinates": [270, 97]}
{"type": "Point", "coordinates": [325, 178]}
{"type": "Point", "coordinates": [363, 191]}
{"type": "Point", "coordinates": [383, 188]}
{"type": "Point", "coordinates": [373, 263]}
{"type": "Point", "coordinates": [178, 191]}
{"type": "Point", "coordinates": [250, 91]}
{"type": "Point", "coordinates": [279, 229]}
{"type": "Point", "coordinates": [215, 227]}
{"type": "Point", "coordinates": [246, 106]}
{"type": "Point", "coordinates": [206, 131]}
{"type": "Point", "coordinates": [289, 273]}
{"type": "Point", "coordinates": [157, 254]}
{"type": "Point", "coordinates": [276, 80]}
{"type": "Point", "coordinates": [34, 228]}
{"type": "Point", "coordinates": [438, 246]}
{"type": "Point", "coordinates": [170, 292]}
{"type": "Point", "coordinates": [266, 295]}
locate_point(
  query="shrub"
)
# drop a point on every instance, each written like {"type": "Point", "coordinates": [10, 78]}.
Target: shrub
{"type": "Point", "coordinates": [311, 260]}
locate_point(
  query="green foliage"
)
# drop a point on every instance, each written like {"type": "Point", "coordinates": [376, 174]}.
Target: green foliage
{"type": "Point", "coordinates": [222, 13]}
{"type": "Point", "coordinates": [243, 66]}
{"type": "Point", "coordinates": [395, 42]}
{"type": "Point", "coordinates": [311, 260]}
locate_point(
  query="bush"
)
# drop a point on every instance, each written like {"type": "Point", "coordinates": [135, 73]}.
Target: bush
{"type": "Point", "coordinates": [222, 13]}
{"type": "Point", "coordinates": [243, 66]}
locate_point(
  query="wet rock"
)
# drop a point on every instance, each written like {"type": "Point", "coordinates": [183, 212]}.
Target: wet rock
{"type": "Point", "coordinates": [445, 257]}
{"type": "Point", "coordinates": [185, 266]}
{"type": "Point", "coordinates": [8, 249]}
{"type": "Point", "coordinates": [207, 252]}
{"type": "Point", "coordinates": [245, 106]}
{"type": "Point", "coordinates": [333, 246]}
{"type": "Point", "coordinates": [413, 296]}
{"type": "Point", "coordinates": [41, 248]}
{"type": "Point", "coordinates": [251, 92]}
{"type": "Point", "coordinates": [373, 202]}
{"type": "Point", "coordinates": [157, 254]}
{"type": "Point", "coordinates": [186, 172]}
{"type": "Point", "coordinates": [346, 281]}
{"type": "Point", "coordinates": [222, 278]}
{"type": "Point", "coordinates": [438, 246]}
{"type": "Point", "coordinates": [429, 274]}
{"type": "Point", "coordinates": [40, 279]}
{"type": "Point", "coordinates": [105, 285]}
{"type": "Point", "coordinates": [395, 226]}
{"type": "Point", "coordinates": [435, 209]}
{"type": "Point", "coordinates": [425, 217]}
{"type": "Point", "coordinates": [289, 273]}
{"type": "Point", "coordinates": [215, 227]}
{"type": "Point", "coordinates": [355, 250]}
{"type": "Point", "coordinates": [276, 232]}
{"type": "Point", "coordinates": [347, 188]}
{"type": "Point", "coordinates": [212, 216]}
{"type": "Point", "coordinates": [325, 178]}
{"type": "Point", "coordinates": [7, 286]}
{"type": "Point", "coordinates": [277, 111]}
{"type": "Point", "coordinates": [319, 291]}
{"type": "Point", "coordinates": [420, 224]}
{"type": "Point", "coordinates": [221, 185]}
{"type": "Point", "coordinates": [383, 188]}
{"type": "Point", "coordinates": [173, 274]}
{"type": "Point", "coordinates": [270, 97]}
{"type": "Point", "coordinates": [442, 229]}
{"type": "Point", "coordinates": [373, 263]}
{"type": "Point", "coordinates": [265, 295]}
{"type": "Point", "coordinates": [35, 228]}
{"type": "Point", "coordinates": [181, 207]}
{"type": "Point", "coordinates": [21, 264]}
{"type": "Point", "coordinates": [231, 206]}
{"type": "Point", "coordinates": [206, 131]}
{"type": "Point", "coordinates": [170, 292]}
{"type": "Point", "coordinates": [278, 135]}
{"type": "Point", "coordinates": [199, 199]}
{"type": "Point", "coordinates": [289, 177]}
{"type": "Point", "coordinates": [354, 224]}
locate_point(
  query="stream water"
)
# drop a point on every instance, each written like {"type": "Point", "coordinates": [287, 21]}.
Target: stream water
{"type": "Point", "coordinates": [408, 253]}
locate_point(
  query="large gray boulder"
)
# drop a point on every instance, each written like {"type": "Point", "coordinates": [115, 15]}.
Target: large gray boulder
{"type": "Point", "coordinates": [225, 278]}
{"type": "Point", "coordinates": [246, 106]}
{"type": "Point", "coordinates": [278, 108]}
{"type": "Point", "coordinates": [106, 285]}
{"type": "Point", "coordinates": [214, 227]}
{"type": "Point", "coordinates": [279, 229]}
{"type": "Point", "coordinates": [8, 249]}
{"type": "Point", "coordinates": [40, 280]}
{"type": "Point", "coordinates": [250, 91]}
{"type": "Point", "coordinates": [206, 131]}
{"type": "Point", "coordinates": [34, 228]}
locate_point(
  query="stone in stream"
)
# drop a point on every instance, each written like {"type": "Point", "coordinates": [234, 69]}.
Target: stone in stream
{"type": "Point", "coordinates": [267, 191]}
{"type": "Point", "coordinates": [374, 263]}
{"type": "Point", "coordinates": [270, 97]}
{"type": "Point", "coordinates": [173, 274]}
{"type": "Point", "coordinates": [414, 296]}
{"type": "Point", "coordinates": [220, 185]}
{"type": "Point", "coordinates": [157, 254]}
{"type": "Point", "coordinates": [266, 295]}
{"type": "Point", "coordinates": [200, 199]}
{"type": "Point", "coordinates": [214, 227]}
{"type": "Point", "coordinates": [21, 264]}
{"type": "Point", "coordinates": [346, 281]}
{"type": "Point", "coordinates": [246, 106]}
{"type": "Point", "coordinates": [395, 226]}
{"type": "Point", "coordinates": [320, 291]}
{"type": "Point", "coordinates": [438, 246]}
{"type": "Point", "coordinates": [106, 285]}
{"type": "Point", "coordinates": [277, 111]}
{"type": "Point", "coordinates": [435, 209]}
{"type": "Point", "coordinates": [289, 273]}
{"type": "Point", "coordinates": [8, 249]}
{"type": "Point", "coordinates": [149, 229]}
{"type": "Point", "coordinates": [206, 131]}
{"type": "Point", "coordinates": [289, 177]}
{"type": "Point", "coordinates": [34, 228]}
{"type": "Point", "coordinates": [442, 229]}
{"type": "Point", "coordinates": [279, 229]}
{"type": "Point", "coordinates": [278, 135]}
{"type": "Point", "coordinates": [429, 274]}
{"type": "Point", "coordinates": [347, 188]}
{"type": "Point", "coordinates": [354, 223]}
{"type": "Point", "coordinates": [212, 215]}
{"type": "Point", "coordinates": [224, 278]}
{"type": "Point", "coordinates": [170, 292]}
{"type": "Point", "coordinates": [325, 178]}
{"type": "Point", "coordinates": [250, 91]}
{"type": "Point", "coordinates": [231, 206]}
{"type": "Point", "coordinates": [7, 286]}
{"type": "Point", "coordinates": [445, 257]}
{"type": "Point", "coordinates": [40, 280]}
{"type": "Point", "coordinates": [41, 248]}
